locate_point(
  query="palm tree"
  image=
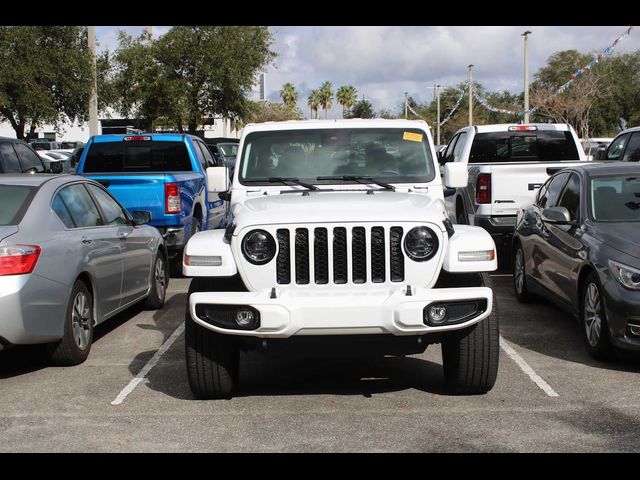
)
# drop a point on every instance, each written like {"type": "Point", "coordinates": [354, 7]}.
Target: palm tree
{"type": "Point", "coordinates": [346, 96]}
{"type": "Point", "coordinates": [326, 95]}
{"type": "Point", "coordinates": [314, 102]}
{"type": "Point", "coordinates": [289, 95]}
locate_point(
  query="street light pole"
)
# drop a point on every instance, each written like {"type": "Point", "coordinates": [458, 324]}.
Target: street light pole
{"type": "Point", "coordinates": [470, 96]}
{"type": "Point", "coordinates": [93, 99]}
{"type": "Point", "coordinates": [406, 103]}
{"type": "Point", "coordinates": [526, 75]}
{"type": "Point", "coordinates": [438, 104]}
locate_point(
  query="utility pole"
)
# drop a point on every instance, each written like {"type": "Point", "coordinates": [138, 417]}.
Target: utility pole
{"type": "Point", "coordinates": [526, 75]}
{"type": "Point", "coordinates": [436, 90]}
{"type": "Point", "coordinates": [470, 96]}
{"type": "Point", "coordinates": [93, 99]}
{"type": "Point", "coordinates": [406, 103]}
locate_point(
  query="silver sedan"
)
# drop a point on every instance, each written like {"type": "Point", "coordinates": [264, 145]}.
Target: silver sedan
{"type": "Point", "coordinates": [70, 258]}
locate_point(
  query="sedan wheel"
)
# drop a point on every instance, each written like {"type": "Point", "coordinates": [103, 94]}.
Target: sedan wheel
{"type": "Point", "coordinates": [519, 276]}
{"type": "Point", "coordinates": [81, 320]}
{"type": "Point", "coordinates": [160, 277]}
{"type": "Point", "coordinates": [594, 320]}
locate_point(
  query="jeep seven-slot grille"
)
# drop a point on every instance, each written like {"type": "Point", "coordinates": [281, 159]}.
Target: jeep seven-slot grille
{"type": "Point", "coordinates": [366, 260]}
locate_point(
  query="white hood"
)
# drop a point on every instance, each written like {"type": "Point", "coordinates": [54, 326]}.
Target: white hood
{"type": "Point", "coordinates": [338, 207]}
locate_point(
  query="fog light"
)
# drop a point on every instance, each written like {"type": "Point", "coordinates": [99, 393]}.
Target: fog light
{"type": "Point", "coordinates": [437, 313]}
{"type": "Point", "coordinates": [244, 318]}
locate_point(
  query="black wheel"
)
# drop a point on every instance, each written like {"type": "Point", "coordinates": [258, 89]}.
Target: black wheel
{"type": "Point", "coordinates": [461, 217]}
{"type": "Point", "coordinates": [159, 283]}
{"type": "Point", "coordinates": [519, 276]}
{"type": "Point", "coordinates": [213, 361]}
{"type": "Point", "coordinates": [74, 346]}
{"type": "Point", "coordinates": [470, 357]}
{"type": "Point", "coordinates": [595, 329]}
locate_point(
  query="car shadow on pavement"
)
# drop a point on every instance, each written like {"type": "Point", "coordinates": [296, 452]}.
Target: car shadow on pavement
{"type": "Point", "coordinates": [542, 327]}
{"type": "Point", "coordinates": [23, 359]}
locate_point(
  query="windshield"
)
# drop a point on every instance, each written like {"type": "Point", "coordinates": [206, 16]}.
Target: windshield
{"type": "Point", "coordinates": [228, 149]}
{"type": "Point", "coordinates": [15, 200]}
{"type": "Point", "coordinates": [531, 146]}
{"type": "Point", "coordinates": [615, 199]}
{"type": "Point", "coordinates": [391, 154]}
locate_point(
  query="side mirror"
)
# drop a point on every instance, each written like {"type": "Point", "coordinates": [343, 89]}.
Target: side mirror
{"type": "Point", "coordinates": [600, 154]}
{"type": "Point", "coordinates": [141, 217]}
{"type": "Point", "coordinates": [440, 155]}
{"type": "Point", "coordinates": [55, 167]}
{"type": "Point", "coordinates": [557, 216]}
{"type": "Point", "coordinates": [217, 179]}
{"type": "Point", "coordinates": [455, 175]}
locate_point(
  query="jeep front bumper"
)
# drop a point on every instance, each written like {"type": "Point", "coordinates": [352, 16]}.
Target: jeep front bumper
{"type": "Point", "coordinates": [340, 312]}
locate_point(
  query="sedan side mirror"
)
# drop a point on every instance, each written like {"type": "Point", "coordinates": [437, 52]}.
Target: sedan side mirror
{"type": "Point", "coordinates": [440, 155]}
{"type": "Point", "coordinates": [600, 154]}
{"type": "Point", "coordinates": [557, 216]}
{"type": "Point", "coordinates": [141, 217]}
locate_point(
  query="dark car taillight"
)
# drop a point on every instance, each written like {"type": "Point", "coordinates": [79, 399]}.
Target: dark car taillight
{"type": "Point", "coordinates": [172, 202]}
{"type": "Point", "coordinates": [18, 259]}
{"type": "Point", "coordinates": [483, 188]}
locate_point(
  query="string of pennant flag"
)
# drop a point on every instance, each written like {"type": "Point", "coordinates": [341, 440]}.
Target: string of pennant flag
{"type": "Point", "coordinates": [574, 77]}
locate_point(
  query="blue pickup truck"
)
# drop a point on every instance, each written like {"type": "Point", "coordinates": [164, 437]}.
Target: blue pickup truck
{"type": "Point", "coordinates": [164, 174]}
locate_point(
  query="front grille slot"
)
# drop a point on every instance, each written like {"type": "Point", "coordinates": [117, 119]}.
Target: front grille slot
{"type": "Point", "coordinates": [350, 255]}
{"type": "Point", "coordinates": [320, 256]}
{"type": "Point", "coordinates": [302, 256]}
{"type": "Point", "coordinates": [359, 255]}
{"type": "Point", "coordinates": [339, 255]}
{"type": "Point", "coordinates": [377, 255]}
{"type": "Point", "coordinates": [283, 266]}
{"type": "Point", "coordinates": [395, 252]}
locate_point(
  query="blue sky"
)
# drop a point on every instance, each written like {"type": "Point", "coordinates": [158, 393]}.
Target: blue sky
{"type": "Point", "coordinates": [383, 62]}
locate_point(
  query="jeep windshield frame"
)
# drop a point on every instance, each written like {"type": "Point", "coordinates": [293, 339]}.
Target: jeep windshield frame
{"type": "Point", "coordinates": [341, 155]}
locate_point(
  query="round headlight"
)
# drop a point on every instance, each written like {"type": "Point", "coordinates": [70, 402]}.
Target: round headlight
{"type": "Point", "coordinates": [259, 247]}
{"type": "Point", "coordinates": [420, 244]}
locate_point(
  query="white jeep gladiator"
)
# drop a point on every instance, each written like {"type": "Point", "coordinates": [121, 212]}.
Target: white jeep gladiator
{"type": "Point", "coordinates": [338, 239]}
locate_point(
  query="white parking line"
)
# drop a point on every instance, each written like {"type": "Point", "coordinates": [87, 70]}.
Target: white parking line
{"type": "Point", "coordinates": [148, 366]}
{"type": "Point", "coordinates": [524, 366]}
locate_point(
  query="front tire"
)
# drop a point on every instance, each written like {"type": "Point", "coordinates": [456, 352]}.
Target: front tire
{"type": "Point", "coordinates": [470, 358]}
{"type": "Point", "coordinates": [159, 284]}
{"type": "Point", "coordinates": [520, 276]}
{"type": "Point", "coordinates": [595, 329]}
{"type": "Point", "coordinates": [74, 346]}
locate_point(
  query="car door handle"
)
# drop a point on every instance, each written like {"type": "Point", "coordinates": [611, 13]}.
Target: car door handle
{"type": "Point", "coordinates": [123, 235]}
{"type": "Point", "coordinates": [86, 240]}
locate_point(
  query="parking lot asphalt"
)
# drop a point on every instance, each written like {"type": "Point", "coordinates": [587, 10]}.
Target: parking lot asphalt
{"type": "Point", "coordinates": [550, 396]}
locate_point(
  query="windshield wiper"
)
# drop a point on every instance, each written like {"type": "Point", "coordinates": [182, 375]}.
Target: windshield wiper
{"type": "Point", "coordinates": [363, 179]}
{"type": "Point", "coordinates": [285, 180]}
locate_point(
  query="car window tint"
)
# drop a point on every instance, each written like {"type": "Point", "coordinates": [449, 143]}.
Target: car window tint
{"type": "Point", "coordinates": [28, 158]}
{"type": "Point", "coordinates": [457, 151]}
{"type": "Point", "coordinates": [534, 146]}
{"type": "Point", "coordinates": [554, 189]}
{"type": "Point", "coordinates": [114, 215]}
{"type": "Point", "coordinates": [571, 196]}
{"type": "Point", "coordinates": [210, 162]}
{"type": "Point", "coordinates": [448, 155]}
{"type": "Point", "coordinates": [15, 200]}
{"type": "Point", "coordinates": [83, 211]}
{"type": "Point", "coordinates": [8, 159]}
{"type": "Point", "coordinates": [632, 152]}
{"type": "Point", "coordinates": [617, 147]}
{"type": "Point", "coordinates": [137, 156]}
{"type": "Point", "coordinates": [198, 149]}
{"type": "Point", "coordinates": [542, 194]}
{"type": "Point", "coordinates": [62, 212]}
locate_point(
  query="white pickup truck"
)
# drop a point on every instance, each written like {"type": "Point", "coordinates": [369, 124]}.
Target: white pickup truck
{"type": "Point", "coordinates": [507, 164]}
{"type": "Point", "coordinates": [338, 239]}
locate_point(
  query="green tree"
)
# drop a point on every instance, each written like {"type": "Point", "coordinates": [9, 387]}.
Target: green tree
{"type": "Point", "coordinates": [45, 76]}
{"type": "Point", "coordinates": [313, 100]}
{"type": "Point", "coordinates": [326, 97]}
{"type": "Point", "coordinates": [270, 112]}
{"type": "Point", "coordinates": [289, 95]}
{"type": "Point", "coordinates": [346, 95]}
{"type": "Point", "coordinates": [362, 109]}
{"type": "Point", "coordinates": [191, 73]}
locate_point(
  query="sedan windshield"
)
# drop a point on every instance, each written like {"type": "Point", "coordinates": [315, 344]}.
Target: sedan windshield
{"type": "Point", "coordinates": [15, 200]}
{"type": "Point", "coordinates": [615, 199]}
{"type": "Point", "coordinates": [394, 155]}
